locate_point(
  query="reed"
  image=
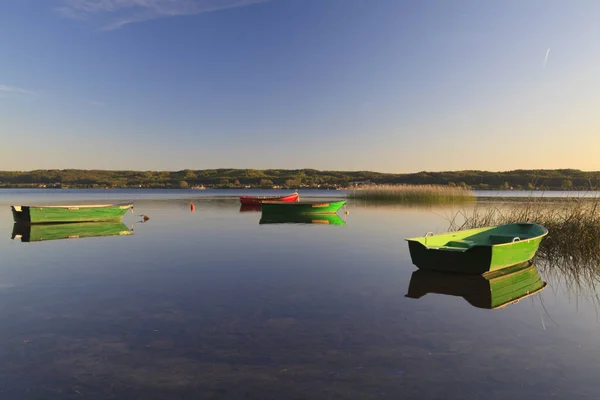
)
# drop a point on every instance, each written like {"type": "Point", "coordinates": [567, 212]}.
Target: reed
{"type": "Point", "coordinates": [425, 194]}
{"type": "Point", "coordinates": [572, 247]}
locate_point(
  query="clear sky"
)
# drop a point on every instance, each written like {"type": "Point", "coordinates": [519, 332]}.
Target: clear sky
{"type": "Point", "coordinates": [382, 85]}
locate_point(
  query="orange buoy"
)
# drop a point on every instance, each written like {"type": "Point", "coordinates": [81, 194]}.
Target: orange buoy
{"type": "Point", "coordinates": [192, 207]}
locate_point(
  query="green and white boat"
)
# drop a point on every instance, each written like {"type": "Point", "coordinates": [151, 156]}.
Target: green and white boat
{"type": "Point", "coordinates": [77, 230]}
{"type": "Point", "coordinates": [495, 290]}
{"type": "Point", "coordinates": [322, 219]}
{"type": "Point", "coordinates": [68, 213]}
{"type": "Point", "coordinates": [302, 207]}
{"type": "Point", "coordinates": [477, 251]}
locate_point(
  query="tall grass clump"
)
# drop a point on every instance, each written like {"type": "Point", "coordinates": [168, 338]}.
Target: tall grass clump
{"type": "Point", "coordinates": [572, 247]}
{"type": "Point", "coordinates": [424, 194]}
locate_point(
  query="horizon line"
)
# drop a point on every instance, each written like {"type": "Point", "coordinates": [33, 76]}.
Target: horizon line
{"type": "Point", "coordinates": [298, 169]}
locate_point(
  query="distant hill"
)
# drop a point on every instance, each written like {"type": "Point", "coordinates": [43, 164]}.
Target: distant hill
{"type": "Point", "coordinates": [518, 179]}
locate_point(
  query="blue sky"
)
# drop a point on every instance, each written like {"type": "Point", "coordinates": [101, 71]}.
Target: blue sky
{"type": "Point", "coordinates": [384, 85]}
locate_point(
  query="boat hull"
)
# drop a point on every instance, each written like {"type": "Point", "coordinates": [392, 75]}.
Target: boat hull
{"type": "Point", "coordinates": [248, 200]}
{"type": "Point", "coordinates": [302, 207]}
{"type": "Point", "coordinates": [477, 251]}
{"type": "Point", "coordinates": [44, 232]}
{"type": "Point", "coordinates": [492, 291]}
{"type": "Point", "coordinates": [60, 214]}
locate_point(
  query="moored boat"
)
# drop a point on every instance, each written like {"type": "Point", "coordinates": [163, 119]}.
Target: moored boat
{"type": "Point", "coordinates": [68, 213]}
{"type": "Point", "coordinates": [323, 219]}
{"type": "Point", "coordinates": [477, 251]}
{"type": "Point", "coordinates": [76, 230]}
{"type": "Point", "coordinates": [302, 207]}
{"type": "Point", "coordinates": [495, 290]}
{"type": "Point", "coordinates": [260, 199]}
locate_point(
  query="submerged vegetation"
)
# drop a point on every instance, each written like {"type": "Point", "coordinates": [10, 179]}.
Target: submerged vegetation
{"type": "Point", "coordinates": [426, 194]}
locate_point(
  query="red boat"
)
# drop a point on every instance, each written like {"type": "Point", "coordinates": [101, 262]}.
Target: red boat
{"type": "Point", "coordinates": [259, 199]}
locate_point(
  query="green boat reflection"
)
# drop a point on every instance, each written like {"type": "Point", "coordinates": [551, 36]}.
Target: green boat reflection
{"type": "Point", "coordinates": [493, 291]}
{"type": "Point", "coordinates": [302, 207]}
{"type": "Point", "coordinates": [324, 219]}
{"type": "Point", "coordinates": [43, 232]}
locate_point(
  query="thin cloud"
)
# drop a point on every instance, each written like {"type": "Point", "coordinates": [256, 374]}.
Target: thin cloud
{"type": "Point", "coordinates": [6, 90]}
{"type": "Point", "coordinates": [114, 14]}
{"type": "Point", "coordinates": [546, 58]}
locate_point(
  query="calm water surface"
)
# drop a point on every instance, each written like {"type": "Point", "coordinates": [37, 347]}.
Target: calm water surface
{"type": "Point", "coordinates": [212, 304]}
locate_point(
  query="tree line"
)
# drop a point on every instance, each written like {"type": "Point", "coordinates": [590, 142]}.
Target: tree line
{"type": "Point", "coordinates": [558, 179]}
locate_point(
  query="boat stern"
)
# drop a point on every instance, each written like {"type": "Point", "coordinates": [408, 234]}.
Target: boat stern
{"type": "Point", "coordinates": [21, 214]}
{"type": "Point", "coordinates": [474, 260]}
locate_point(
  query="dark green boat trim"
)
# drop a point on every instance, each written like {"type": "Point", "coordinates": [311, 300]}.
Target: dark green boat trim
{"type": "Point", "coordinates": [77, 230]}
{"type": "Point", "coordinates": [477, 251]}
{"type": "Point", "coordinates": [302, 207]}
{"type": "Point", "coordinates": [68, 213]}
{"type": "Point", "coordinates": [496, 290]}
{"type": "Point", "coordinates": [323, 219]}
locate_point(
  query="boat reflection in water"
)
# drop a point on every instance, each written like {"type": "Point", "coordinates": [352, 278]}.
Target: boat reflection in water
{"type": "Point", "coordinates": [492, 291]}
{"type": "Point", "coordinates": [250, 207]}
{"type": "Point", "coordinates": [324, 219]}
{"type": "Point", "coordinates": [43, 232]}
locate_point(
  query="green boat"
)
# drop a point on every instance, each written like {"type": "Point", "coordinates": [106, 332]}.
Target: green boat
{"type": "Point", "coordinates": [324, 219]}
{"type": "Point", "coordinates": [42, 232]}
{"type": "Point", "coordinates": [492, 291]}
{"type": "Point", "coordinates": [73, 213]}
{"type": "Point", "coordinates": [302, 207]}
{"type": "Point", "coordinates": [477, 251]}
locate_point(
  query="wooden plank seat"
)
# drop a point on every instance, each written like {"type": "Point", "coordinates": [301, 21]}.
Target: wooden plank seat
{"type": "Point", "coordinates": [463, 244]}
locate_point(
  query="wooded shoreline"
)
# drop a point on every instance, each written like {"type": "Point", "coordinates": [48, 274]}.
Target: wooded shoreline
{"type": "Point", "coordinates": [560, 179]}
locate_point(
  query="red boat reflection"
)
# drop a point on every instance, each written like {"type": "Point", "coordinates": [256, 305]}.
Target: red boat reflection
{"type": "Point", "coordinates": [259, 199]}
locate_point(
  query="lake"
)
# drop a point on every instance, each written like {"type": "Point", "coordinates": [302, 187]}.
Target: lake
{"type": "Point", "coordinates": [212, 304]}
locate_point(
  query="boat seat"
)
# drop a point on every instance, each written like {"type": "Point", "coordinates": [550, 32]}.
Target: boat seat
{"type": "Point", "coordinates": [448, 248]}
{"type": "Point", "coordinates": [463, 244]}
